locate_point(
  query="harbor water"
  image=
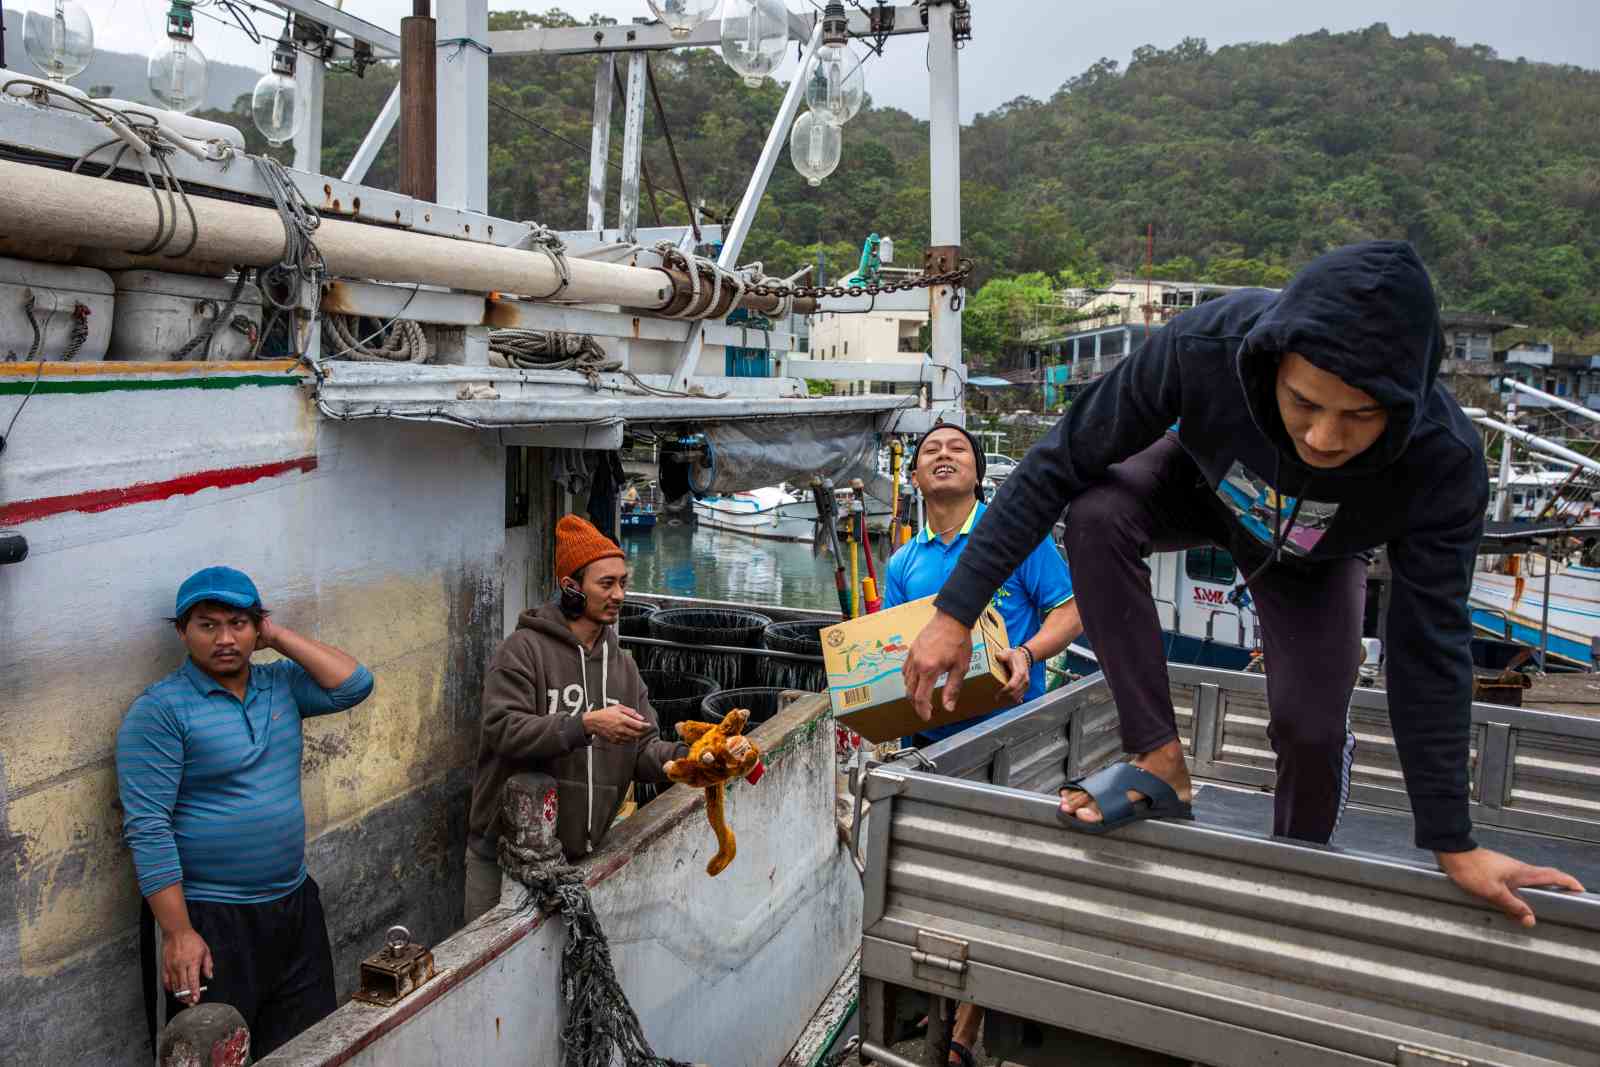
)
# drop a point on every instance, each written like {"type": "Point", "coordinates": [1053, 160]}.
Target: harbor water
{"type": "Point", "coordinates": [717, 565]}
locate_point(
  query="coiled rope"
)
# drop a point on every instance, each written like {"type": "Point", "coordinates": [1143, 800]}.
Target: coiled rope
{"type": "Point", "coordinates": [406, 342]}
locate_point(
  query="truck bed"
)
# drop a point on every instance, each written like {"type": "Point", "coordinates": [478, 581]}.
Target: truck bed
{"type": "Point", "coordinates": [1214, 942]}
{"type": "Point", "coordinates": [1387, 834]}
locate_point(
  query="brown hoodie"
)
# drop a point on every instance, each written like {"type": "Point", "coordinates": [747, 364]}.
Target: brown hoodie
{"type": "Point", "coordinates": [540, 682]}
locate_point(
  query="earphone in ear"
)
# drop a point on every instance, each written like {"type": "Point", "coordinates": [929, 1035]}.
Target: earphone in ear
{"type": "Point", "coordinates": [573, 600]}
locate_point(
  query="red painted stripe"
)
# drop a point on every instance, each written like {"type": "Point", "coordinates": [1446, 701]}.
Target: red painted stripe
{"type": "Point", "coordinates": [145, 492]}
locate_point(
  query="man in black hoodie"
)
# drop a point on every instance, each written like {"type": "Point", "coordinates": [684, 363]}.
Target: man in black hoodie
{"type": "Point", "coordinates": [1310, 429]}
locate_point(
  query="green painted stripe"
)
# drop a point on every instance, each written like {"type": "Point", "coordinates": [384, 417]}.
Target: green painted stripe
{"type": "Point", "coordinates": [13, 387]}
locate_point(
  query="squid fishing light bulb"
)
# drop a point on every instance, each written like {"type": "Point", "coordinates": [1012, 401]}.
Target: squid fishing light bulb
{"type": "Point", "coordinates": [275, 103]}
{"type": "Point", "coordinates": [58, 38]}
{"type": "Point", "coordinates": [682, 16]}
{"type": "Point", "coordinates": [815, 146]}
{"type": "Point", "coordinates": [754, 35]}
{"type": "Point", "coordinates": [178, 69]}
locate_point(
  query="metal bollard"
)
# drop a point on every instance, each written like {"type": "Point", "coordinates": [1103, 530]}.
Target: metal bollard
{"type": "Point", "coordinates": [528, 813]}
{"type": "Point", "coordinates": [206, 1035]}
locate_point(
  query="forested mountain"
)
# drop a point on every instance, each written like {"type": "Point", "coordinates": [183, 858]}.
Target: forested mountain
{"type": "Point", "coordinates": [1247, 160]}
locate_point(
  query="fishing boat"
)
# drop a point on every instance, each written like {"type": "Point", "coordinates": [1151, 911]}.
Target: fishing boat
{"type": "Point", "coordinates": [190, 379]}
{"type": "Point", "coordinates": [754, 512]}
{"type": "Point", "coordinates": [638, 520]}
{"type": "Point", "coordinates": [778, 513]}
{"type": "Point", "coordinates": [1513, 606]}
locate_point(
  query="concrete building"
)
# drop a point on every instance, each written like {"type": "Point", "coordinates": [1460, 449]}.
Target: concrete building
{"type": "Point", "coordinates": [888, 330]}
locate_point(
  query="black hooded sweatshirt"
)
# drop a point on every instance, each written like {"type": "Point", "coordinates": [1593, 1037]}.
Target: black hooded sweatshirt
{"type": "Point", "coordinates": [1367, 314]}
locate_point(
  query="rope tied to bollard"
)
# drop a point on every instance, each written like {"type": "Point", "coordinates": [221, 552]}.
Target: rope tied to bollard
{"type": "Point", "coordinates": [601, 1027]}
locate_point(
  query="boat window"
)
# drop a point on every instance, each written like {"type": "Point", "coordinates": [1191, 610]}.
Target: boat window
{"type": "Point", "coordinates": [1210, 565]}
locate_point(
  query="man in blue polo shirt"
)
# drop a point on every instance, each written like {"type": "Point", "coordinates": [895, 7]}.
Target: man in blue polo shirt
{"type": "Point", "coordinates": [1036, 601]}
{"type": "Point", "coordinates": [208, 768]}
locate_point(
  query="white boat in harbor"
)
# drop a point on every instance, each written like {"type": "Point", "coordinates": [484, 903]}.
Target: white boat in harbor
{"type": "Point", "coordinates": [756, 512]}
{"type": "Point", "coordinates": [776, 513]}
{"type": "Point", "coordinates": [1513, 606]}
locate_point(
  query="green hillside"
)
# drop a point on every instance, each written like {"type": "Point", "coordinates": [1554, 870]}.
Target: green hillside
{"type": "Point", "coordinates": [1248, 161]}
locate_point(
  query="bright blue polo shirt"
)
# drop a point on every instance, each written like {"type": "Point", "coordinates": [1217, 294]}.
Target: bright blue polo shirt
{"type": "Point", "coordinates": [210, 785]}
{"type": "Point", "coordinates": [1035, 589]}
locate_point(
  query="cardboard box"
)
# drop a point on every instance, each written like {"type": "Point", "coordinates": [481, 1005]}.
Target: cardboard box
{"type": "Point", "coordinates": [864, 658]}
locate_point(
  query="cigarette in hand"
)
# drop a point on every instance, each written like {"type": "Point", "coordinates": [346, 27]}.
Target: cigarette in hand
{"type": "Point", "coordinates": [185, 992]}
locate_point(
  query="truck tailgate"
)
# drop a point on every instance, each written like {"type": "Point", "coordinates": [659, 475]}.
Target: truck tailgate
{"type": "Point", "coordinates": [1224, 947]}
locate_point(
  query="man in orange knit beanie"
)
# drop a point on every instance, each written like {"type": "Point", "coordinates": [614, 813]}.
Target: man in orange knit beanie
{"type": "Point", "coordinates": [561, 698]}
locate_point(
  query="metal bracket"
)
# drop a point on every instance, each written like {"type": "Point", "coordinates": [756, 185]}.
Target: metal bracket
{"type": "Point", "coordinates": [859, 788]}
{"type": "Point", "coordinates": [940, 259]}
{"type": "Point", "coordinates": [880, 20]}
{"type": "Point", "coordinates": [940, 958]}
{"type": "Point", "coordinates": [400, 969]}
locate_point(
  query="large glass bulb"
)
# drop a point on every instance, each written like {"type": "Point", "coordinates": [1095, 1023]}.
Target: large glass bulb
{"type": "Point", "coordinates": [815, 146]}
{"type": "Point", "coordinates": [275, 107]}
{"type": "Point", "coordinates": [754, 34]}
{"type": "Point", "coordinates": [682, 16]}
{"type": "Point", "coordinates": [178, 74]}
{"type": "Point", "coordinates": [837, 85]}
{"type": "Point", "coordinates": [58, 37]}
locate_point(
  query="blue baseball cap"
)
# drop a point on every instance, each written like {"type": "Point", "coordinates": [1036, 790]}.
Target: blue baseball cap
{"type": "Point", "coordinates": [222, 584]}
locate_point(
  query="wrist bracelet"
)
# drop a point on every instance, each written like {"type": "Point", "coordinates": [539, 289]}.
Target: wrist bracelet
{"type": "Point", "coordinates": [1026, 651]}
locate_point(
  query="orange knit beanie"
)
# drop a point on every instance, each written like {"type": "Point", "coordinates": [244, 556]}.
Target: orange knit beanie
{"type": "Point", "coordinates": [579, 544]}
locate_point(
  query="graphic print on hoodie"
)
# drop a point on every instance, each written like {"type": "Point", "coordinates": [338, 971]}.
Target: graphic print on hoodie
{"type": "Point", "coordinates": [1366, 314]}
{"type": "Point", "coordinates": [539, 684]}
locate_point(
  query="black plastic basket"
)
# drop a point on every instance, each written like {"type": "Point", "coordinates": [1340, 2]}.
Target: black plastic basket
{"type": "Point", "coordinates": [635, 619]}
{"type": "Point", "coordinates": [676, 697]}
{"type": "Point", "coordinates": [695, 627]}
{"type": "Point", "coordinates": [802, 638]}
{"type": "Point", "coordinates": [762, 701]}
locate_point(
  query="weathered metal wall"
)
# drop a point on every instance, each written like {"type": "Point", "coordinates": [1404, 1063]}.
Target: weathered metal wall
{"type": "Point", "coordinates": [382, 538]}
{"type": "Point", "coordinates": [723, 971]}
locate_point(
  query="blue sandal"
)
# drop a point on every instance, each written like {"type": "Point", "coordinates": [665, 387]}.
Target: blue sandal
{"type": "Point", "coordinates": [1109, 787]}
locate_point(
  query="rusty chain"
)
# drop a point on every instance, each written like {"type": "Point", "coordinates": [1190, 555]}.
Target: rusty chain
{"type": "Point", "coordinates": [956, 278]}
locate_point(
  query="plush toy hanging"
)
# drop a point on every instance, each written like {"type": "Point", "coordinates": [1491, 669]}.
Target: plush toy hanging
{"type": "Point", "coordinates": [710, 766]}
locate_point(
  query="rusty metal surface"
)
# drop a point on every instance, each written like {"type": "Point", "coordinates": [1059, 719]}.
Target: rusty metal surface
{"type": "Point", "coordinates": [393, 973]}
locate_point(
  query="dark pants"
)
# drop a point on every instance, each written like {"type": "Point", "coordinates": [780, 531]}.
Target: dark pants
{"type": "Point", "coordinates": [271, 961]}
{"type": "Point", "coordinates": [1157, 501]}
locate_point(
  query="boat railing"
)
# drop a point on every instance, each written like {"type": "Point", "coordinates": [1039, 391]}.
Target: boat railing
{"type": "Point", "coordinates": [1502, 616]}
{"type": "Point", "coordinates": [1211, 619]}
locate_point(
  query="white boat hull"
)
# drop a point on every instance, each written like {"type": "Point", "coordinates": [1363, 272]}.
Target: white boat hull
{"type": "Point", "coordinates": [1514, 606]}
{"type": "Point", "coordinates": [722, 971]}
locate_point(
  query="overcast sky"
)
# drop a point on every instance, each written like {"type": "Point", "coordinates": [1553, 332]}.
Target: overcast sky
{"type": "Point", "coordinates": [1029, 47]}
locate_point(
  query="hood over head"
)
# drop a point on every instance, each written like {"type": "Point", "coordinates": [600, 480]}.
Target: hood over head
{"type": "Point", "coordinates": [1365, 313]}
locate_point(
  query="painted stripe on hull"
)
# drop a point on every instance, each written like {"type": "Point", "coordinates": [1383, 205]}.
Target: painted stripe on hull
{"type": "Point", "coordinates": [97, 500]}
{"type": "Point", "coordinates": [1528, 633]}
{"type": "Point", "coordinates": [80, 386]}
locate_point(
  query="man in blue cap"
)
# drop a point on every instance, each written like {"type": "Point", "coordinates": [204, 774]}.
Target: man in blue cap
{"type": "Point", "coordinates": [208, 769]}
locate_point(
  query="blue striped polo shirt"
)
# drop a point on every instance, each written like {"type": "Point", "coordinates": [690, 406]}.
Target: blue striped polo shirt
{"type": "Point", "coordinates": [210, 785]}
{"type": "Point", "coordinates": [1039, 585]}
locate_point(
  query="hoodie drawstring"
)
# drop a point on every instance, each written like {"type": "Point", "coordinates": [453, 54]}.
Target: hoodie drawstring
{"type": "Point", "coordinates": [588, 703]}
{"type": "Point", "coordinates": [1280, 530]}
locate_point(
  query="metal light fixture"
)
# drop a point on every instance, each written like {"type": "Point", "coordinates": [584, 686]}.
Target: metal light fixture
{"type": "Point", "coordinates": [837, 85]}
{"type": "Point", "coordinates": [275, 103]}
{"type": "Point", "coordinates": [178, 69]}
{"type": "Point", "coordinates": [58, 38]}
{"type": "Point", "coordinates": [815, 146]}
{"type": "Point", "coordinates": [682, 16]}
{"type": "Point", "coordinates": [754, 34]}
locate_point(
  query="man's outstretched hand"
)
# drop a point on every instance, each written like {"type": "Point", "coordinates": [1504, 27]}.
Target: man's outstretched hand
{"type": "Point", "coordinates": [1495, 878]}
{"type": "Point", "coordinates": [943, 647]}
